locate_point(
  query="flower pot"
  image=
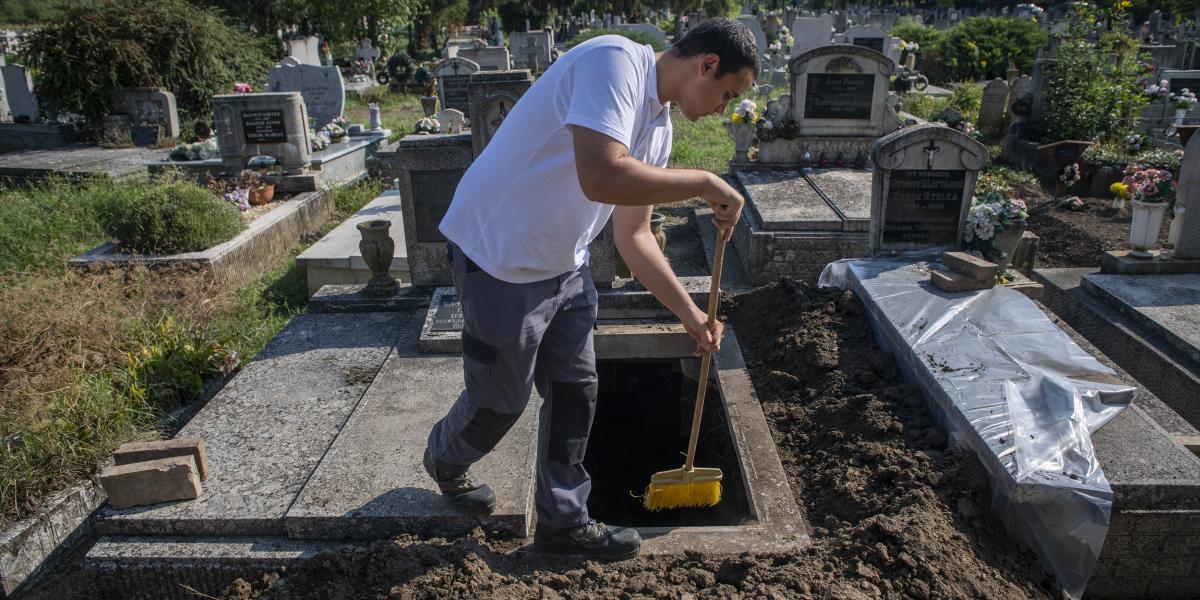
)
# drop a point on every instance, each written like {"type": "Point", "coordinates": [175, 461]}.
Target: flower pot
{"type": "Point", "coordinates": [743, 136]}
{"type": "Point", "coordinates": [1147, 220]}
{"type": "Point", "coordinates": [377, 249]}
{"type": "Point", "coordinates": [1176, 226]}
{"type": "Point", "coordinates": [429, 105]}
{"type": "Point", "coordinates": [1006, 245]}
{"type": "Point", "coordinates": [375, 120]}
{"type": "Point", "coordinates": [1180, 114]}
{"type": "Point", "coordinates": [262, 195]}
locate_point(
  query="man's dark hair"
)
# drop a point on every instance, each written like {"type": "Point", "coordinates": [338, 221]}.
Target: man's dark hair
{"type": "Point", "coordinates": [729, 39]}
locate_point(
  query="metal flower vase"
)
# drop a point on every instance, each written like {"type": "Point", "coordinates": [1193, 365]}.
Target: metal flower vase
{"type": "Point", "coordinates": [1147, 222]}
{"type": "Point", "coordinates": [377, 249]}
{"type": "Point", "coordinates": [1006, 243]}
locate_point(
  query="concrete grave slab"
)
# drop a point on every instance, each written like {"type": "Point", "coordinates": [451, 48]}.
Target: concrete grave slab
{"type": "Point", "coordinates": [848, 191]}
{"type": "Point", "coordinates": [786, 201]}
{"type": "Point", "coordinates": [371, 483]}
{"type": "Point", "coordinates": [268, 428]}
{"type": "Point", "coordinates": [336, 260]}
{"type": "Point", "coordinates": [1167, 304]}
{"type": "Point", "coordinates": [76, 161]}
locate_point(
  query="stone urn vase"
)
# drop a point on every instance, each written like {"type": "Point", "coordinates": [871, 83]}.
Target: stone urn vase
{"type": "Point", "coordinates": [376, 120]}
{"type": "Point", "coordinates": [1006, 245]}
{"type": "Point", "coordinates": [1147, 221]}
{"type": "Point", "coordinates": [377, 250]}
{"type": "Point", "coordinates": [660, 236]}
{"type": "Point", "coordinates": [743, 136]}
{"type": "Point", "coordinates": [429, 105]}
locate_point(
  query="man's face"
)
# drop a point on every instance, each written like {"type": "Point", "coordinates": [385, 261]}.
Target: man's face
{"type": "Point", "coordinates": [707, 94]}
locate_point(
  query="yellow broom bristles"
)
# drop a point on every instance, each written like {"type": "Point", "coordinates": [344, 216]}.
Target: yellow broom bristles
{"type": "Point", "coordinates": [661, 496]}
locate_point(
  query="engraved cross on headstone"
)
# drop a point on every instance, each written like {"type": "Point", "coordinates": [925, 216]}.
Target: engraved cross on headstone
{"type": "Point", "coordinates": [930, 150]}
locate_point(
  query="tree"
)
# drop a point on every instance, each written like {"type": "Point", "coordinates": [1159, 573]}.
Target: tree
{"type": "Point", "coordinates": [355, 19]}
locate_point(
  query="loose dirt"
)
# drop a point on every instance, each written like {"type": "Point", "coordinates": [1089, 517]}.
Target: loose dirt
{"type": "Point", "coordinates": [1078, 238]}
{"type": "Point", "coordinates": [893, 513]}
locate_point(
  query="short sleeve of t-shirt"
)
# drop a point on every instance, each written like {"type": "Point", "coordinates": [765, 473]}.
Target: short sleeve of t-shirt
{"type": "Point", "coordinates": [607, 90]}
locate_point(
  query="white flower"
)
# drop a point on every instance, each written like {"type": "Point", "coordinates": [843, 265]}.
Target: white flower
{"type": "Point", "coordinates": [986, 231]}
{"type": "Point", "coordinates": [767, 124]}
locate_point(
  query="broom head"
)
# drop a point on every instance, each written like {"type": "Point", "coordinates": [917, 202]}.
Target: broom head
{"type": "Point", "coordinates": [683, 488]}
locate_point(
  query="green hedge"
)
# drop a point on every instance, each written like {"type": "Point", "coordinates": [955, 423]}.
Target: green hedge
{"type": "Point", "coordinates": [95, 47]}
{"type": "Point", "coordinates": [977, 49]}
{"type": "Point", "coordinates": [170, 218]}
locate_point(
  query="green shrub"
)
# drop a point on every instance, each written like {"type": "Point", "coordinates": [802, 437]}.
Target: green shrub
{"type": "Point", "coordinates": [95, 47]}
{"type": "Point", "coordinates": [1092, 90]}
{"type": "Point", "coordinates": [909, 30]}
{"type": "Point", "coordinates": [967, 98]}
{"type": "Point", "coordinates": [923, 106]}
{"type": "Point", "coordinates": [170, 218]}
{"type": "Point", "coordinates": [980, 48]}
{"type": "Point", "coordinates": [636, 36]}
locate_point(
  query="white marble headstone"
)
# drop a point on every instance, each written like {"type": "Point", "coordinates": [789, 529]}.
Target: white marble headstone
{"type": "Point", "coordinates": [811, 32]}
{"type": "Point", "coordinates": [323, 90]}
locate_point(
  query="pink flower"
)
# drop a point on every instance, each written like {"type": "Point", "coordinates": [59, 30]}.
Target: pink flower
{"type": "Point", "coordinates": [1149, 189]}
{"type": "Point", "coordinates": [242, 88]}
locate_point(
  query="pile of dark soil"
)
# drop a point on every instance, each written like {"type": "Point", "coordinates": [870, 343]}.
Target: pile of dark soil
{"type": "Point", "coordinates": [894, 514]}
{"type": "Point", "coordinates": [1078, 238]}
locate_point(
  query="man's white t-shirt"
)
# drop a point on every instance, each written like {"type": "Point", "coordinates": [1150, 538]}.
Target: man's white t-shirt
{"type": "Point", "coordinates": [519, 212]}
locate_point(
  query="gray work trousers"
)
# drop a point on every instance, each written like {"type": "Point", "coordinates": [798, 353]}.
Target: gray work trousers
{"type": "Point", "coordinates": [517, 336]}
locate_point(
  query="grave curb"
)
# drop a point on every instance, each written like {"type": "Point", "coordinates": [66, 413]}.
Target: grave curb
{"type": "Point", "coordinates": [33, 545]}
{"type": "Point", "coordinates": [266, 241]}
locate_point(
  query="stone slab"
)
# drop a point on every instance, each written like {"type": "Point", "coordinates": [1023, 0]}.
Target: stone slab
{"type": "Point", "coordinates": [338, 250]}
{"type": "Point", "coordinates": [268, 428]}
{"type": "Point", "coordinates": [440, 340]}
{"type": "Point", "coordinates": [134, 452]}
{"type": "Point", "coordinates": [1147, 468]}
{"type": "Point", "coordinates": [1121, 263]}
{"type": "Point", "coordinates": [641, 339]}
{"type": "Point", "coordinates": [79, 161]}
{"type": "Point", "coordinates": [849, 192]}
{"type": "Point", "coordinates": [1167, 304]}
{"type": "Point", "coordinates": [371, 483]}
{"type": "Point", "coordinates": [784, 200]}
{"type": "Point", "coordinates": [151, 482]}
{"type": "Point", "coordinates": [350, 299]}
{"type": "Point", "coordinates": [31, 548]}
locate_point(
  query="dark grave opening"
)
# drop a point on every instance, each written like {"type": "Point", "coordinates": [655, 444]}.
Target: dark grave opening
{"type": "Point", "coordinates": [643, 418]}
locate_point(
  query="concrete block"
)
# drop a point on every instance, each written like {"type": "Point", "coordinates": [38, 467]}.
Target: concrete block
{"type": "Point", "coordinates": [151, 482]}
{"type": "Point", "coordinates": [1032, 289]}
{"type": "Point", "coordinates": [1120, 262]}
{"type": "Point", "coordinates": [350, 299]}
{"type": "Point", "coordinates": [970, 265]}
{"type": "Point", "coordinates": [950, 281]}
{"type": "Point", "coordinates": [135, 452]}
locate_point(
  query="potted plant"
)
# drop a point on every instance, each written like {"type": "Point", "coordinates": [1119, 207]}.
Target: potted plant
{"type": "Point", "coordinates": [741, 125]}
{"type": "Point", "coordinates": [260, 192]}
{"type": "Point", "coordinates": [1153, 190]}
{"type": "Point", "coordinates": [336, 129]}
{"type": "Point", "coordinates": [994, 227]}
{"type": "Point", "coordinates": [427, 126]}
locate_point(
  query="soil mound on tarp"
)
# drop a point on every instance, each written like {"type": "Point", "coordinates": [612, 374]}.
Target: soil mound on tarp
{"type": "Point", "coordinates": [894, 514]}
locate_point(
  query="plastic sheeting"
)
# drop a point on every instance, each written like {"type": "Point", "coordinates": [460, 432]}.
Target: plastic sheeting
{"type": "Point", "coordinates": [1009, 385]}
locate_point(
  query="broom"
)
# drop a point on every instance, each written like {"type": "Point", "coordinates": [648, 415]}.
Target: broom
{"type": "Point", "coordinates": [692, 487]}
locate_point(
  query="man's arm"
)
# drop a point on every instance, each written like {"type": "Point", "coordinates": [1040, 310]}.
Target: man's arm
{"type": "Point", "coordinates": [607, 174]}
{"type": "Point", "coordinates": [636, 243]}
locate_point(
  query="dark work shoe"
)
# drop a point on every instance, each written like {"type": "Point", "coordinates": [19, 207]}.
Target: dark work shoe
{"type": "Point", "coordinates": [592, 539]}
{"type": "Point", "coordinates": [461, 491]}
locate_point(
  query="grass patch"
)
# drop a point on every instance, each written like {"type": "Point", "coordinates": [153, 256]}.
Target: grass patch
{"type": "Point", "coordinates": [399, 112]}
{"type": "Point", "coordinates": [88, 362]}
{"type": "Point", "coordinates": [706, 144]}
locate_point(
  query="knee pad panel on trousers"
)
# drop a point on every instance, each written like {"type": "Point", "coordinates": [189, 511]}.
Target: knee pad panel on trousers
{"type": "Point", "coordinates": [486, 428]}
{"type": "Point", "coordinates": [574, 405]}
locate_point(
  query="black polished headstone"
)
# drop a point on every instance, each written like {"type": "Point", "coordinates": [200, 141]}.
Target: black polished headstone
{"type": "Point", "coordinates": [436, 190]}
{"type": "Point", "coordinates": [448, 316]}
{"type": "Point", "coordinates": [838, 96]}
{"type": "Point", "coordinates": [923, 207]}
{"type": "Point", "coordinates": [264, 127]}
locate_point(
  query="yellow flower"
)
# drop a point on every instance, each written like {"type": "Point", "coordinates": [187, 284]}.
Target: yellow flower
{"type": "Point", "coordinates": [736, 118]}
{"type": "Point", "coordinates": [1119, 189]}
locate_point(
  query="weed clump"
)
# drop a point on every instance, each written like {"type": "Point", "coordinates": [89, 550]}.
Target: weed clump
{"type": "Point", "coordinates": [170, 218]}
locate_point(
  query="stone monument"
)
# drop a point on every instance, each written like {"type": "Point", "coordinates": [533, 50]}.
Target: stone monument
{"type": "Point", "coordinates": [269, 124]}
{"type": "Point", "coordinates": [492, 96]}
{"type": "Point", "coordinates": [149, 105]}
{"type": "Point", "coordinates": [322, 88]}
{"type": "Point", "coordinates": [452, 75]}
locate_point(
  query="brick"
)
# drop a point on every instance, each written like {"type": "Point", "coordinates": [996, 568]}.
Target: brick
{"type": "Point", "coordinates": [151, 482]}
{"type": "Point", "coordinates": [970, 265]}
{"type": "Point", "coordinates": [950, 281]}
{"type": "Point", "coordinates": [135, 452]}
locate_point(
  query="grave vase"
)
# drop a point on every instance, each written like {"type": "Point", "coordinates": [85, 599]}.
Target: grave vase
{"type": "Point", "coordinates": [429, 105]}
{"type": "Point", "coordinates": [1147, 220]}
{"type": "Point", "coordinates": [1180, 115]}
{"type": "Point", "coordinates": [375, 119]}
{"type": "Point", "coordinates": [660, 236]}
{"type": "Point", "coordinates": [377, 249]}
{"type": "Point", "coordinates": [743, 136]}
{"type": "Point", "coordinates": [1006, 243]}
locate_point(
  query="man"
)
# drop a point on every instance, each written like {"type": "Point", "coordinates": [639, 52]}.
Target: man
{"type": "Point", "coordinates": [590, 139]}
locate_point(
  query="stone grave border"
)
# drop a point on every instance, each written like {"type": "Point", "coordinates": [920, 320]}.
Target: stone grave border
{"type": "Point", "coordinates": [265, 242]}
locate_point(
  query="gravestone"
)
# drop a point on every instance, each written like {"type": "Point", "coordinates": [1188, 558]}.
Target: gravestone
{"type": "Point", "coordinates": [1021, 88]}
{"type": "Point", "coordinates": [1041, 76]}
{"type": "Point", "coordinates": [991, 110]}
{"type": "Point", "coordinates": [1180, 79]}
{"type": "Point", "coordinates": [811, 32]}
{"type": "Point", "coordinates": [18, 88]}
{"type": "Point", "coordinates": [651, 30]}
{"type": "Point", "coordinates": [922, 187]}
{"type": "Point", "coordinates": [493, 94]}
{"type": "Point", "coordinates": [368, 53]}
{"type": "Point", "coordinates": [269, 124]}
{"type": "Point", "coordinates": [760, 37]}
{"type": "Point", "coordinates": [840, 90]}
{"type": "Point", "coordinates": [771, 26]}
{"type": "Point", "coordinates": [451, 120]}
{"type": "Point", "coordinates": [531, 49]}
{"type": "Point", "coordinates": [1188, 196]}
{"type": "Point", "coordinates": [149, 105]}
{"type": "Point", "coordinates": [870, 36]}
{"type": "Point", "coordinates": [452, 76]}
{"type": "Point", "coordinates": [489, 58]}
{"type": "Point", "coordinates": [322, 88]}
{"type": "Point", "coordinates": [306, 50]}
{"type": "Point", "coordinates": [429, 169]}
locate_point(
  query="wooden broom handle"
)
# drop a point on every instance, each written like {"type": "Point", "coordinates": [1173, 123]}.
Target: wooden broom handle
{"type": "Point", "coordinates": [706, 359]}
